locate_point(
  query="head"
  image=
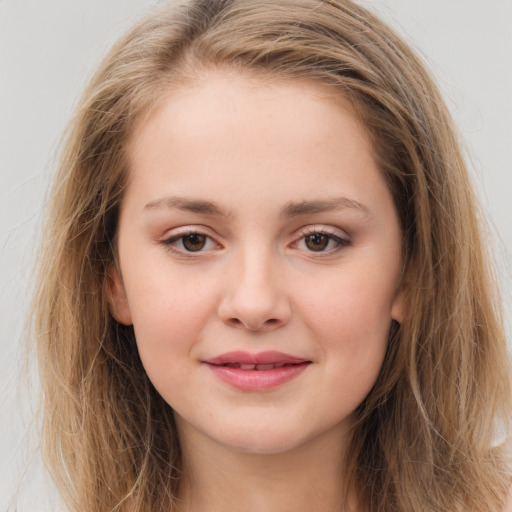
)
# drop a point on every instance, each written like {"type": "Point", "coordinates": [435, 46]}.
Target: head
{"type": "Point", "coordinates": [439, 350]}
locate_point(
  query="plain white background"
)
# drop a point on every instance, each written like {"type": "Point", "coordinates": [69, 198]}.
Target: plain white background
{"type": "Point", "coordinates": [49, 49]}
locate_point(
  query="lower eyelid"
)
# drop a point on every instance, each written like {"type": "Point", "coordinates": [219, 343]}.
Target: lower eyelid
{"type": "Point", "coordinates": [341, 240]}
{"type": "Point", "coordinates": [169, 241]}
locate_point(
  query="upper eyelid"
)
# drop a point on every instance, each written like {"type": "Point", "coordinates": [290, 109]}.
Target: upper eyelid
{"type": "Point", "coordinates": [338, 235]}
{"type": "Point", "coordinates": [326, 230]}
{"type": "Point", "coordinates": [179, 232]}
{"type": "Point", "coordinates": [174, 235]}
{"type": "Point", "coordinates": [169, 241]}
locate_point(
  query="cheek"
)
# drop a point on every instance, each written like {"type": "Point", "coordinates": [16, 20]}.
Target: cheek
{"type": "Point", "coordinates": [351, 323]}
{"type": "Point", "coordinates": [354, 309]}
{"type": "Point", "coordinates": [168, 317]}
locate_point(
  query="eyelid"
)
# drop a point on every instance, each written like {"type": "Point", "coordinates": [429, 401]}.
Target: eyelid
{"type": "Point", "coordinates": [340, 236]}
{"type": "Point", "coordinates": [325, 229]}
{"type": "Point", "coordinates": [176, 234]}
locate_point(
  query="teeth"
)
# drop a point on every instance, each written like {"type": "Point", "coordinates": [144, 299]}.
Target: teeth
{"type": "Point", "coordinates": [261, 367]}
{"type": "Point", "coordinates": [268, 366]}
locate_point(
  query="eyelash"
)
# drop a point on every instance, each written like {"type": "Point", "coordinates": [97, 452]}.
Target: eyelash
{"type": "Point", "coordinates": [168, 242]}
{"type": "Point", "coordinates": [331, 237]}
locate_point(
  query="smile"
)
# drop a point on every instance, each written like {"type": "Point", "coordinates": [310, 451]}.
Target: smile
{"type": "Point", "coordinates": [260, 367]}
{"type": "Point", "coordinates": [256, 372]}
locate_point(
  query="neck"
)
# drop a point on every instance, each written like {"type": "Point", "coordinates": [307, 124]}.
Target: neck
{"type": "Point", "coordinates": [305, 479]}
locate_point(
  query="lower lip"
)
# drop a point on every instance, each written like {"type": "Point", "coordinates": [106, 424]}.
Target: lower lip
{"type": "Point", "coordinates": [257, 380]}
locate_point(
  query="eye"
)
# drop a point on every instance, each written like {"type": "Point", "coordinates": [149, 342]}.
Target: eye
{"type": "Point", "coordinates": [189, 242]}
{"type": "Point", "coordinates": [194, 242]}
{"type": "Point", "coordinates": [316, 240]}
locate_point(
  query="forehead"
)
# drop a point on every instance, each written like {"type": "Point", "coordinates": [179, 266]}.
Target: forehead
{"type": "Point", "coordinates": [257, 136]}
{"type": "Point", "coordinates": [228, 93]}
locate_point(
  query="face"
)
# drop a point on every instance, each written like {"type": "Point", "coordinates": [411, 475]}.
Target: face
{"type": "Point", "coordinates": [260, 261]}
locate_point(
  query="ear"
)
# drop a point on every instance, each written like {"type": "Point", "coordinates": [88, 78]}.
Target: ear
{"type": "Point", "coordinates": [398, 308]}
{"type": "Point", "coordinates": [117, 300]}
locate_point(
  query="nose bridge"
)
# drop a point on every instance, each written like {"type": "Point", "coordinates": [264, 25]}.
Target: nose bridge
{"type": "Point", "coordinates": [255, 298]}
{"type": "Point", "coordinates": [255, 266]}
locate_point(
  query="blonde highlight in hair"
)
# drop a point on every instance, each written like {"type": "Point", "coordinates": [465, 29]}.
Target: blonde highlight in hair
{"type": "Point", "coordinates": [425, 435]}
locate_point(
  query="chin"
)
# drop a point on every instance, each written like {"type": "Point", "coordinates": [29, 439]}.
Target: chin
{"type": "Point", "coordinates": [263, 446]}
{"type": "Point", "coordinates": [264, 441]}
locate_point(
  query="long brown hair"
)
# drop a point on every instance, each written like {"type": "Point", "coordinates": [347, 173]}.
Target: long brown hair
{"type": "Point", "coordinates": [426, 436]}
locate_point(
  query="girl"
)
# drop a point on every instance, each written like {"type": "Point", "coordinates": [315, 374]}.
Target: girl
{"type": "Point", "coordinates": [263, 286]}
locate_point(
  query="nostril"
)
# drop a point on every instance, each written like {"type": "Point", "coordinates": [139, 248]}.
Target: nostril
{"type": "Point", "coordinates": [256, 326]}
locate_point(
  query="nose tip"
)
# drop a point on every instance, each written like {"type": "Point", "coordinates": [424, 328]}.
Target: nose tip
{"type": "Point", "coordinates": [255, 306]}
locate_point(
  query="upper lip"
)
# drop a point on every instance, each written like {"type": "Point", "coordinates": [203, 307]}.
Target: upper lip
{"type": "Point", "coordinates": [268, 357]}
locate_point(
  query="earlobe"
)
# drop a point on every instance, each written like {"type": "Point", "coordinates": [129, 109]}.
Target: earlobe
{"type": "Point", "coordinates": [117, 300]}
{"type": "Point", "coordinates": [398, 307]}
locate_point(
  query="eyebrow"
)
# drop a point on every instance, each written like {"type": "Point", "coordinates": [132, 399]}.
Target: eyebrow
{"type": "Point", "coordinates": [188, 205]}
{"type": "Point", "coordinates": [309, 207]}
{"type": "Point", "coordinates": [292, 209]}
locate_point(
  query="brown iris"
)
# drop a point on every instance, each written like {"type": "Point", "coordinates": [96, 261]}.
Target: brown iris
{"type": "Point", "coordinates": [317, 241]}
{"type": "Point", "coordinates": [194, 242]}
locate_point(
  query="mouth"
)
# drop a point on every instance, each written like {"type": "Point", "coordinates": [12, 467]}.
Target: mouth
{"type": "Point", "coordinates": [257, 372]}
{"type": "Point", "coordinates": [259, 367]}
{"type": "Point", "coordinates": [262, 361]}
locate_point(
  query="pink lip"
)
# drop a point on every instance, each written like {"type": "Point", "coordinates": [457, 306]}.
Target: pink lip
{"type": "Point", "coordinates": [256, 379]}
{"type": "Point", "coordinates": [268, 357]}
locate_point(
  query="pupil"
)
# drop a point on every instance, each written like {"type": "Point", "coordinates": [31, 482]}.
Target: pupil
{"type": "Point", "coordinates": [317, 241]}
{"type": "Point", "coordinates": [194, 242]}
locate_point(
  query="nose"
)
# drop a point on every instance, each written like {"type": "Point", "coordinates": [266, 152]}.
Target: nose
{"type": "Point", "coordinates": [255, 298]}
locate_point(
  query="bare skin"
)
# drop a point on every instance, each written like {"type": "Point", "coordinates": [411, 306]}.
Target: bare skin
{"type": "Point", "coordinates": [306, 480]}
{"type": "Point", "coordinates": [256, 221]}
